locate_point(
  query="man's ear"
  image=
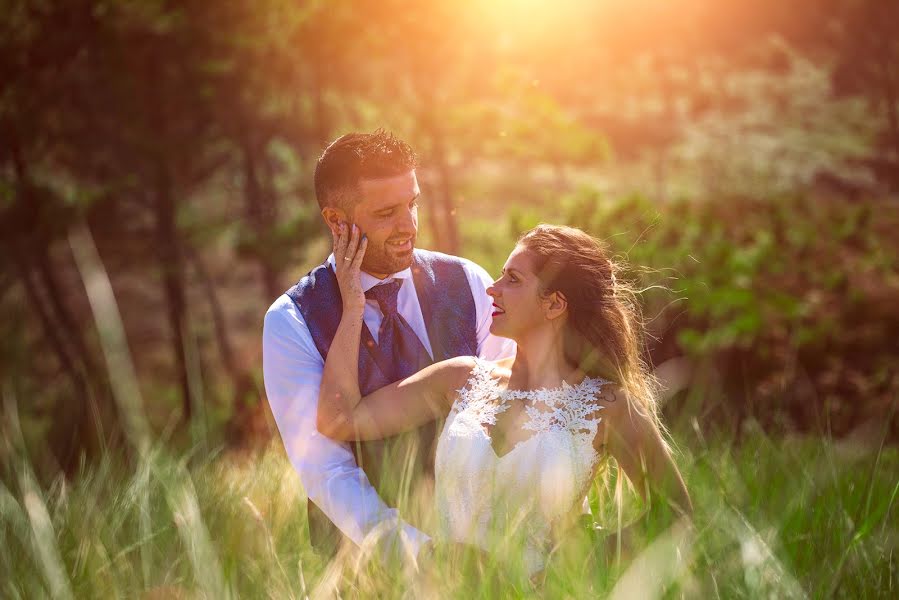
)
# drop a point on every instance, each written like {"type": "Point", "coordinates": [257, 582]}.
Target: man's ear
{"type": "Point", "coordinates": [556, 304]}
{"type": "Point", "coordinates": [333, 217]}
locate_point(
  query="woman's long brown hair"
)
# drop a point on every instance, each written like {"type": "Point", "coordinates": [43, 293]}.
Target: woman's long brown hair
{"type": "Point", "coordinates": [604, 332]}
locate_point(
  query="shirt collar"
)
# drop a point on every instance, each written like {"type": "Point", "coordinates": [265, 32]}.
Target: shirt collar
{"type": "Point", "coordinates": [368, 281]}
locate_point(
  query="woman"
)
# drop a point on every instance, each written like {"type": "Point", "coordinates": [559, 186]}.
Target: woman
{"type": "Point", "coordinates": [522, 441]}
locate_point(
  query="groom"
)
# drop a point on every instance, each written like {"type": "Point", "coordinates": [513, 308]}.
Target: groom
{"type": "Point", "coordinates": [422, 307]}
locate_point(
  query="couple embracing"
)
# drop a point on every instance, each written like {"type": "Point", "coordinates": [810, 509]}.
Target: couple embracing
{"type": "Point", "coordinates": [389, 367]}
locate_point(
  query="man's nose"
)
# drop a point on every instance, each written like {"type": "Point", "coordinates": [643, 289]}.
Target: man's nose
{"type": "Point", "coordinates": [407, 221]}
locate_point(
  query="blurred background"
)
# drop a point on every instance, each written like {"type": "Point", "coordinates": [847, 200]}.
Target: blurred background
{"type": "Point", "coordinates": [156, 196]}
{"type": "Point", "coordinates": [747, 152]}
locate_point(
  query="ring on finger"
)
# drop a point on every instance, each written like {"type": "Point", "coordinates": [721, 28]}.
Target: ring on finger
{"type": "Point", "coordinates": [347, 258]}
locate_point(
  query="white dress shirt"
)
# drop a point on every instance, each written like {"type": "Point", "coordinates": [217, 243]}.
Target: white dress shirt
{"type": "Point", "coordinates": [292, 368]}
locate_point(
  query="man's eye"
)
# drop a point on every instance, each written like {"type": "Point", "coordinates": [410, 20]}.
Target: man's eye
{"type": "Point", "coordinates": [385, 214]}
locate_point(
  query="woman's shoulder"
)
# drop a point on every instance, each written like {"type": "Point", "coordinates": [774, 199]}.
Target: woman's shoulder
{"type": "Point", "coordinates": [460, 371]}
{"type": "Point", "coordinates": [619, 408]}
{"type": "Point", "coordinates": [608, 392]}
{"type": "Point", "coordinates": [609, 397]}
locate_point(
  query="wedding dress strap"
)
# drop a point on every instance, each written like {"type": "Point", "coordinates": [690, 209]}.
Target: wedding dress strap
{"type": "Point", "coordinates": [569, 407]}
{"type": "Point", "coordinates": [480, 394]}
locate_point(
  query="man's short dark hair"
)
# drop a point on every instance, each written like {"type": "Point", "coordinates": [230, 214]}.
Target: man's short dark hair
{"type": "Point", "coordinates": [356, 156]}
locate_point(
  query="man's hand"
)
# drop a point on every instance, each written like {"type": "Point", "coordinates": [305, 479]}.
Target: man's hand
{"type": "Point", "coordinates": [349, 251]}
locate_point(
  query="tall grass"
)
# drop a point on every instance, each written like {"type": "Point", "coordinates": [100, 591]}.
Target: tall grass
{"type": "Point", "coordinates": [774, 518]}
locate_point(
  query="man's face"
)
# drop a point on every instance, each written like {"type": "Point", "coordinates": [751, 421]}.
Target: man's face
{"type": "Point", "coordinates": [387, 212]}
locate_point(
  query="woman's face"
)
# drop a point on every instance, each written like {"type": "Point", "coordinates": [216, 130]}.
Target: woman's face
{"type": "Point", "coordinates": [517, 305]}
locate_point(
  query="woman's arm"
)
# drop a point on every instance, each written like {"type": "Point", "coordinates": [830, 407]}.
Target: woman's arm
{"type": "Point", "coordinates": [632, 438]}
{"type": "Point", "coordinates": [637, 445]}
{"type": "Point", "coordinates": [392, 409]}
{"type": "Point", "coordinates": [343, 413]}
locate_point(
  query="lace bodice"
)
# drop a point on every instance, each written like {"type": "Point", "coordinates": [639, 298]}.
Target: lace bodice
{"type": "Point", "coordinates": [484, 499]}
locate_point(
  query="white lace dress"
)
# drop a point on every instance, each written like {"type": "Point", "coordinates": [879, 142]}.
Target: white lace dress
{"type": "Point", "coordinates": [510, 502]}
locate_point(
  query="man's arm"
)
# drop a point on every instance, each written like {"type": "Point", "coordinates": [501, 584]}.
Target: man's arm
{"type": "Point", "coordinates": [490, 347]}
{"type": "Point", "coordinates": [292, 368]}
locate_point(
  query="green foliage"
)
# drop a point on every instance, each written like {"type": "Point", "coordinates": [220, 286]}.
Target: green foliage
{"type": "Point", "coordinates": [766, 291]}
{"type": "Point", "coordinates": [785, 130]}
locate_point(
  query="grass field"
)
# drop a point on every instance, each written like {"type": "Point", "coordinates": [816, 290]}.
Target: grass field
{"type": "Point", "coordinates": [774, 518]}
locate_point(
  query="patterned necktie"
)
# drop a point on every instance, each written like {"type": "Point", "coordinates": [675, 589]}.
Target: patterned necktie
{"type": "Point", "coordinates": [396, 340]}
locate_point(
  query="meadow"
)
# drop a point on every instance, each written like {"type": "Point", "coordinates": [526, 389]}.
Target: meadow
{"type": "Point", "coordinates": [775, 518]}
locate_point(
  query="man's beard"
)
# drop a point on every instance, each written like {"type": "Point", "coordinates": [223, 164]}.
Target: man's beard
{"type": "Point", "coordinates": [382, 261]}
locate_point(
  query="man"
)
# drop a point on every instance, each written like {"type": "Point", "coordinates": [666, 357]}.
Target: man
{"type": "Point", "coordinates": [421, 307]}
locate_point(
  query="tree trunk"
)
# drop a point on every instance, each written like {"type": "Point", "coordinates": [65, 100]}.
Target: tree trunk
{"type": "Point", "coordinates": [447, 212]}
{"type": "Point", "coordinates": [248, 417]}
{"type": "Point", "coordinates": [241, 381]}
{"type": "Point", "coordinates": [433, 211]}
{"type": "Point", "coordinates": [258, 206]}
{"type": "Point", "coordinates": [61, 309]}
{"type": "Point", "coordinates": [73, 430]}
{"type": "Point", "coordinates": [322, 114]}
{"type": "Point", "coordinates": [171, 263]}
{"type": "Point", "coordinates": [892, 109]}
{"type": "Point", "coordinates": [273, 284]}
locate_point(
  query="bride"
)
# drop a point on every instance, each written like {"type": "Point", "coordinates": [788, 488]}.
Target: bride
{"type": "Point", "coordinates": [522, 439]}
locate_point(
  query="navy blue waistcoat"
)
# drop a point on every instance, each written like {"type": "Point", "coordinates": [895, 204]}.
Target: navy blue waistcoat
{"type": "Point", "coordinates": [446, 303]}
{"type": "Point", "coordinates": [450, 317]}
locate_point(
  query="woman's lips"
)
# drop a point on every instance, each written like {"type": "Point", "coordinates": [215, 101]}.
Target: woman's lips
{"type": "Point", "coordinates": [498, 311]}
